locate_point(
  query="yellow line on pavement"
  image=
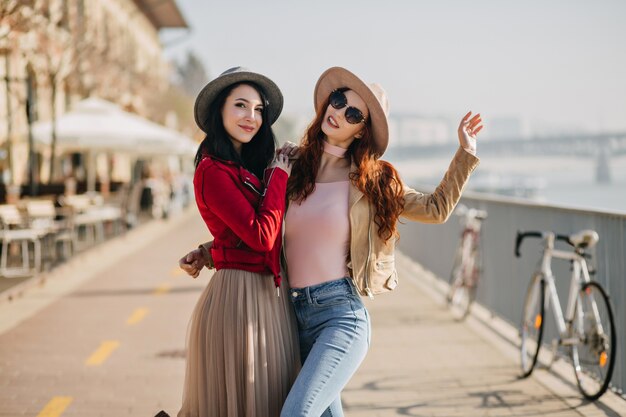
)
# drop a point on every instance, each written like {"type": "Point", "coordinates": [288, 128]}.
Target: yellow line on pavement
{"type": "Point", "coordinates": [162, 289]}
{"type": "Point", "coordinates": [102, 353]}
{"type": "Point", "coordinates": [137, 316]}
{"type": "Point", "coordinates": [55, 407]}
{"type": "Point", "coordinates": [176, 272]}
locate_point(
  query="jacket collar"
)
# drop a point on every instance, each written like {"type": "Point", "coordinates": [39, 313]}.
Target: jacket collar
{"type": "Point", "coordinates": [215, 158]}
{"type": "Point", "coordinates": [354, 194]}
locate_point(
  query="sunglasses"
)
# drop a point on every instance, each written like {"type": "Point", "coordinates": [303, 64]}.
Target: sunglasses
{"type": "Point", "coordinates": [353, 115]}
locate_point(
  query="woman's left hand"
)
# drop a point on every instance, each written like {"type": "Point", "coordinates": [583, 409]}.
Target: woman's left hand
{"type": "Point", "coordinates": [290, 149]}
{"type": "Point", "coordinates": [468, 129]}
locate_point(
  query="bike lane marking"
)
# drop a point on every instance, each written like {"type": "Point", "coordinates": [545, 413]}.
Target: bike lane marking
{"type": "Point", "coordinates": [102, 353]}
{"type": "Point", "coordinates": [176, 272]}
{"type": "Point", "coordinates": [162, 289]}
{"type": "Point", "coordinates": [137, 316]}
{"type": "Point", "coordinates": [55, 407]}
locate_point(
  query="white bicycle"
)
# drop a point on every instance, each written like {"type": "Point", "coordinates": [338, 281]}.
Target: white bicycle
{"type": "Point", "coordinates": [587, 330]}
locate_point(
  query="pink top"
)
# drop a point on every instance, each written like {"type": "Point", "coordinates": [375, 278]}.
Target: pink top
{"type": "Point", "coordinates": [317, 233]}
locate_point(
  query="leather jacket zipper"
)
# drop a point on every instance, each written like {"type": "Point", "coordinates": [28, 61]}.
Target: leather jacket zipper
{"type": "Point", "coordinates": [247, 182]}
{"type": "Point", "coordinates": [256, 190]}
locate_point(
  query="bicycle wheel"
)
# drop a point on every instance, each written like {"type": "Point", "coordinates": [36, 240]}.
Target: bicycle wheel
{"type": "Point", "coordinates": [594, 354]}
{"type": "Point", "coordinates": [456, 266]}
{"type": "Point", "coordinates": [461, 298]}
{"type": "Point", "coordinates": [532, 324]}
{"type": "Point", "coordinates": [462, 291]}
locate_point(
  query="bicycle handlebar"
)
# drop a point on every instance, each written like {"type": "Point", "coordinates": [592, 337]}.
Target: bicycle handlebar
{"type": "Point", "coordinates": [480, 215]}
{"type": "Point", "coordinates": [464, 211]}
{"type": "Point", "coordinates": [564, 238]}
{"type": "Point", "coordinates": [522, 235]}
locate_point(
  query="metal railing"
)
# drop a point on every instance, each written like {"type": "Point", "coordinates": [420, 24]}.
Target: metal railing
{"type": "Point", "coordinates": [505, 278]}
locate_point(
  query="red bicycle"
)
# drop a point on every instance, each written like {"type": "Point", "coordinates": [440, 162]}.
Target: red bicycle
{"type": "Point", "coordinates": [467, 263]}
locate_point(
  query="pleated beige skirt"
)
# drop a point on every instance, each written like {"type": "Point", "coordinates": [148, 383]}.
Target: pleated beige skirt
{"type": "Point", "coordinates": [242, 348]}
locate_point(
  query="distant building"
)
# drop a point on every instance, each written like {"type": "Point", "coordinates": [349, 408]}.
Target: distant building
{"type": "Point", "coordinates": [505, 128]}
{"type": "Point", "coordinates": [54, 53]}
{"type": "Point", "coordinates": [412, 129]}
{"type": "Point", "coordinates": [408, 129]}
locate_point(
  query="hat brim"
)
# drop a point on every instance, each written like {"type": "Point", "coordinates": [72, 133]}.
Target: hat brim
{"type": "Point", "coordinates": [338, 77]}
{"type": "Point", "coordinates": [213, 88]}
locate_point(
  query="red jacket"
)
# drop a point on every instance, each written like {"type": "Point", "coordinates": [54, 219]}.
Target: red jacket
{"type": "Point", "coordinates": [246, 227]}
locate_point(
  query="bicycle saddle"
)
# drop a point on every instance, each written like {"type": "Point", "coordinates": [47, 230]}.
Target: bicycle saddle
{"type": "Point", "coordinates": [584, 239]}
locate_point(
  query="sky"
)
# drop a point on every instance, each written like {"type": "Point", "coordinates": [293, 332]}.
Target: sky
{"type": "Point", "coordinates": [557, 65]}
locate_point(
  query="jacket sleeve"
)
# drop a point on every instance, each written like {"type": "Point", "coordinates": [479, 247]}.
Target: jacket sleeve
{"type": "Point", "coordinates": [437, 207]}
{"type": "Point", "coordinates": [257, 228]}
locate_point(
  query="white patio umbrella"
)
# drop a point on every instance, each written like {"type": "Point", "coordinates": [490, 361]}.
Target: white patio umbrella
{"type": "Point", "coordinates": [98, 125]}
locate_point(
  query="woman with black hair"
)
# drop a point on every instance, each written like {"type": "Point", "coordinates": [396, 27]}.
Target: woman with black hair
{"type": "Point", "coordinates": [242, 352]}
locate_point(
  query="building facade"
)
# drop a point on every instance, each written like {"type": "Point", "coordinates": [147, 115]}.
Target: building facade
{"type": "Point", "coordinates": [54, 53]}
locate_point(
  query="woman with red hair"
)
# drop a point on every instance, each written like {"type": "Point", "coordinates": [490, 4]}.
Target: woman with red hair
{"type": "Point", "coordinates": [340, 230]}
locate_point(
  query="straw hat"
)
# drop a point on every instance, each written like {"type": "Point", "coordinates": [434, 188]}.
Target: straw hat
{"type": "Point", "coordinates": [373, 94]}
{"type": "Point", "coordinates": [234, 76]}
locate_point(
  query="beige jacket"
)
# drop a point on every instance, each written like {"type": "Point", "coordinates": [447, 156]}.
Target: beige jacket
{"type": "Point", "coordinates": [372, 262]}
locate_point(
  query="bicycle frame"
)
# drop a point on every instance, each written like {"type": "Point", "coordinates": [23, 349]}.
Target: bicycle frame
{"type": "Point", "coordinates": [587, 329]}
{"type": "Point", "coordinates": [471, 220]}
{"type": "Point", "coordinates": [467, 263]}
{"type": "Point", "coordinates": [470, 241]}
{"type": "Point", "coordinates": [579, 277]}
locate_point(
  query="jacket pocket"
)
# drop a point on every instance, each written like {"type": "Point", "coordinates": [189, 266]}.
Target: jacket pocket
{"type": "Point", "coordinates": [331, 299]}
{"type": "Point", "coordinates": [392, 281]}
{"type": "Point", "coordinates": [384, 277]}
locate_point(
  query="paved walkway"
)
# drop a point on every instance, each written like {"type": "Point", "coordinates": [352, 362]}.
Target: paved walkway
{"type": "Point", "coordinates": [105, 337]}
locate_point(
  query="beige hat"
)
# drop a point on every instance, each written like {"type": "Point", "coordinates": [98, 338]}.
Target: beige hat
{"type": "Point", "coordinates": [373, 95]}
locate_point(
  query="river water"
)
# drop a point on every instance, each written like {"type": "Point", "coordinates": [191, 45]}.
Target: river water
{"type": "Point", "coordinates": [565, 181]}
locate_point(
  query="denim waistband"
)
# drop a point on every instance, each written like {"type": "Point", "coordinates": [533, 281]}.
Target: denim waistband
{"type": "Point", "coordinates": [338, 286]}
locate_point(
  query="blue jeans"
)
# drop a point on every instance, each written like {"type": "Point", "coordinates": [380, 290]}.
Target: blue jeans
{"type": "Point", "coordinates": [334, 333]}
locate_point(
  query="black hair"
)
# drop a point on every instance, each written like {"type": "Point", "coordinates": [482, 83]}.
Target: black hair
{"type": "Point", "coordinates": [255, 155]}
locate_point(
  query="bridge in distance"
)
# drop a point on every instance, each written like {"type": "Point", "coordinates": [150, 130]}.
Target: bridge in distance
{"type": "Point", "coordinates": [602, 147]}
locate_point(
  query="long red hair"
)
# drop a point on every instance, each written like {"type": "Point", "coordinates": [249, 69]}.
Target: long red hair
{"type": "Point", "coordinates": [378, 180]}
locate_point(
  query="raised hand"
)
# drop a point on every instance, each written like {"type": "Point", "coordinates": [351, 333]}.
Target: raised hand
{"type": "Point", "coordinates": [468, 130]}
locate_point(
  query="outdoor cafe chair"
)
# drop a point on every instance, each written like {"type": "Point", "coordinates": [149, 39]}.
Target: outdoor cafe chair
{"type": "Point", "coordinates": [14, 230]}
{"type": "Point", "coordinates": [90, 214]}
{"type": "Point", "coordinates": [42, 215]}
{"type": "Point", "coordinates": [84, 224]}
